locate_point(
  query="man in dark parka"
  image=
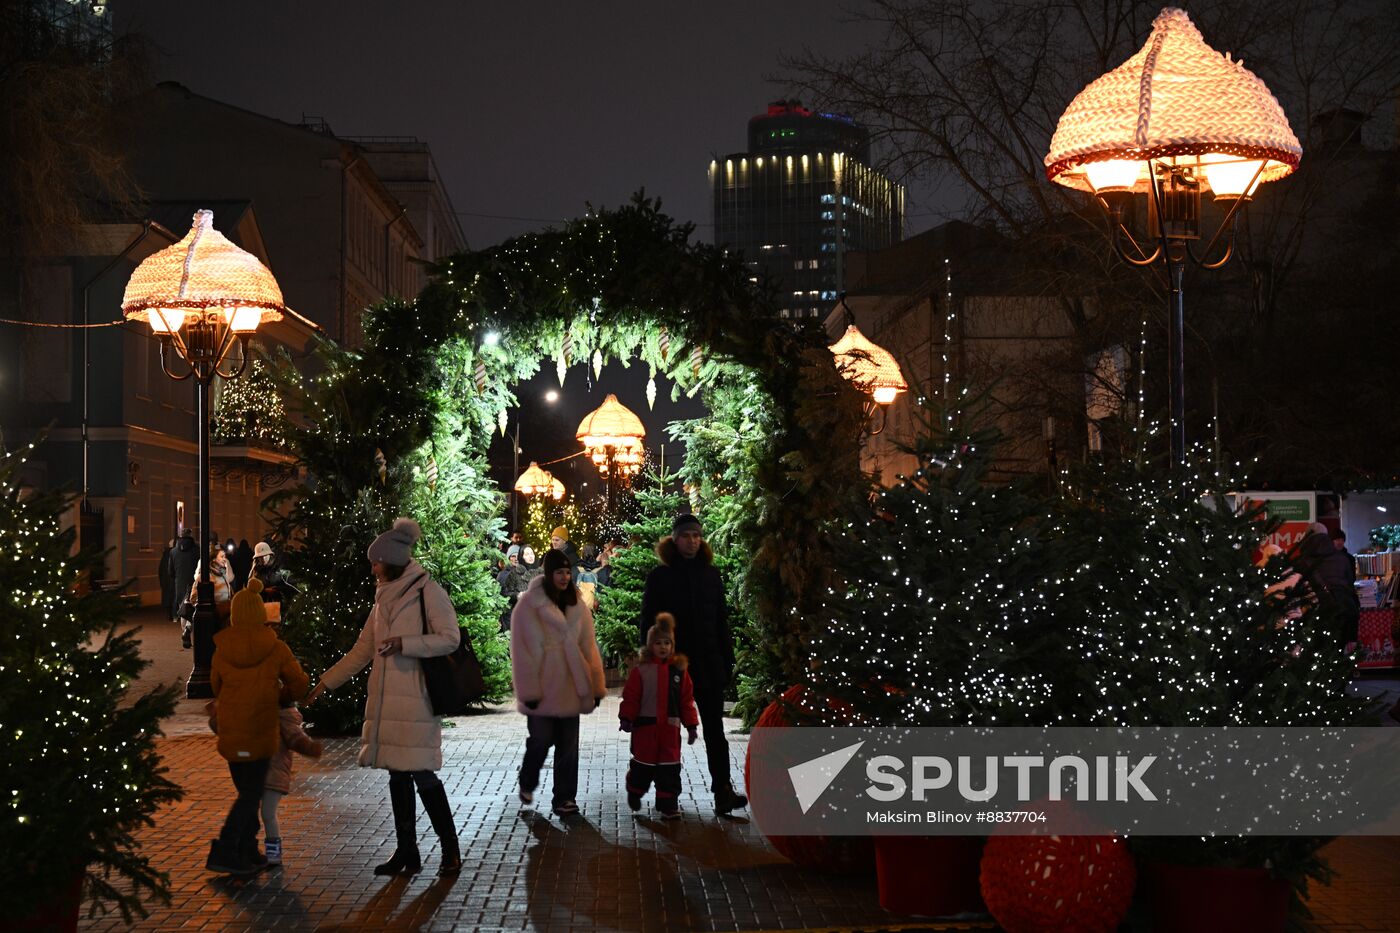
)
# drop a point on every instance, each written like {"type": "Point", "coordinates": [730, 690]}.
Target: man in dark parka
{"type": "Point", "coordinates": [688, 586]}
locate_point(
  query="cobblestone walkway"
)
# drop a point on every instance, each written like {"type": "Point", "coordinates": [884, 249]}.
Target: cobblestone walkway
{"type": "Point", "coordinates": [611, 870]}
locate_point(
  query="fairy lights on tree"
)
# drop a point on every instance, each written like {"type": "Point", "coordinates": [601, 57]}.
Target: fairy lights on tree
{"type": "Point", "coordinates": [72, 734]}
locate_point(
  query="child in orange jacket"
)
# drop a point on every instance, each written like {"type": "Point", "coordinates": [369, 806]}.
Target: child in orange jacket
{"type": "Point", "coordinates": [656, 701]}
{"type": "Point", "coordinates": [250, 670]}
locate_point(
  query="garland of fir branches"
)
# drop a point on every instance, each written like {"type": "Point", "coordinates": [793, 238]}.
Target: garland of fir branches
{"type": "Point", "coordinates": [426, 388]}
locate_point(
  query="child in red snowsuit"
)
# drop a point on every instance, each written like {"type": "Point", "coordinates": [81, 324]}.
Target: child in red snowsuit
{"type": "Point", "coordinates": [657, 700]}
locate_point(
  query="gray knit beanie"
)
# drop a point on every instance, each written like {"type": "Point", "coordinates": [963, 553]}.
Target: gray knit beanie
{"type": "Point", "coordinates": [395, 546]}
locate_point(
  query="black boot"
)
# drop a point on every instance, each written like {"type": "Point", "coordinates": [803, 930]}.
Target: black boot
{"type": "Point", "coordinates": [406, 860]}
{"type": "Point", "coordinates": [440, 812]}
{"type": "Point", "coordinates": [727, 800]}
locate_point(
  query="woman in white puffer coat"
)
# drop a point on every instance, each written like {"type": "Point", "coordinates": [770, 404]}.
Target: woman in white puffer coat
{"type": "Point", "coordinates": [558, 676]}
{"type": "Point", "coordinates": [412, 619]}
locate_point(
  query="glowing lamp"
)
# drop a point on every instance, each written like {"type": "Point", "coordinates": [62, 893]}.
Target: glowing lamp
{"type": "Point", "coordinates": [1180, 103]}
{"type": "Point", "coordinates": [1113, 175]}
{"type": "Point", "coordinates": [869, 366]}
{"type": "Point", "coordinates": [202, 296]}
{"type": "Point", "coordinates": [536, 481]}
{"type": "Point", "coordinates": [613, 435]}
{"type": "Point", "coordinates": [1174, 119]}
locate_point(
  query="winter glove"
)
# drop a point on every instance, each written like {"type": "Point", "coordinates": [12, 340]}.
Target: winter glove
{"type": "Point", "coordinates": [532, 704]}
{"type": "Point", "coordinates": [690, 732]}
{"type": "Point", "coordinates": [624, 725]}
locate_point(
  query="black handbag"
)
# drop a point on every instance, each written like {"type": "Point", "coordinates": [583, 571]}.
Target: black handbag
{"type": "Point", "coordinates": [454, 680]}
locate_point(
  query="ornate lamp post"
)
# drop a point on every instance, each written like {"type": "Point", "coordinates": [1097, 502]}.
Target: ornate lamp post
{"type": "Point", "coordinates": [1175, 119]}
{"type": "Point", "coordinates": [612, 434]}
{"type": "Point", "coordinates": [203, 297]}
{"type": "Point", "coordinates": [872, 369]}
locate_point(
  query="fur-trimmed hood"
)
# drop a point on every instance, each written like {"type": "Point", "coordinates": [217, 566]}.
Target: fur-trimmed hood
{"type": "Point", "coordinates": [669, 554]}
{"type": "Point", "coordinates": [679, 661]}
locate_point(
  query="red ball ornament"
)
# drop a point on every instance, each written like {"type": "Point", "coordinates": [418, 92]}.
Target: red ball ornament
{"type": "Point", "coordinates": [1058, 884]}
{"type": "Point", "coordinates": [833, 854]}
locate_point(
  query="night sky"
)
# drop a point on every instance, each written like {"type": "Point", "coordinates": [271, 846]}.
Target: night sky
{"type": "Point", "coordinates": [532, 110]}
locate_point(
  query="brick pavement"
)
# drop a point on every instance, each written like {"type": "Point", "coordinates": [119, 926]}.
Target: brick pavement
{"type": "Point", "coordinates": [524, 871]}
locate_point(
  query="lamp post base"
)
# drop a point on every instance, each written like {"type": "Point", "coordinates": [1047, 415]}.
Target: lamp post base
{"type": "Point", "coordinates": [204, 624]}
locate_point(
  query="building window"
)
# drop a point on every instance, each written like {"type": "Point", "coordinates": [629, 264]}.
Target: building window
{"type": "Point", "coordinates": [828, 215]}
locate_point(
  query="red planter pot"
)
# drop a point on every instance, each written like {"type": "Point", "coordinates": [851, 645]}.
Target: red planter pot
{"type": "Point", "coordinates": [929, 876]}
{"type": "Point", "coordinates": [58, 916]}
{"type": "Point", "coordinates": [1196, 899]}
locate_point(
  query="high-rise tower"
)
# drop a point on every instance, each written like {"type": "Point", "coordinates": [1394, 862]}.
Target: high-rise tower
{"type": "Point", "coordinates": [801, 197]}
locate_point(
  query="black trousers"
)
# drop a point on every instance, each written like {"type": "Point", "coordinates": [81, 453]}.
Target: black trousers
{"type": "Point", "coordinates": [560, 732]}
{"type": "Point", "coordinates": [241, 825]}
{"type": "Point", "coordinates": [668, 782]}
{"type": "Point", "coordinates": [709, 701]}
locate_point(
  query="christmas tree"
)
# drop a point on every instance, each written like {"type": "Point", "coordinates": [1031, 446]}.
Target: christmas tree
{"type": "Point", "coordinates": [250, 408]}
{"type": "Point", "coordinates": [1124, 596]}
{"type": "Point", "coordinates": [617, 619]}
{"type": "Point", "coordinates": [953, 610]}
{"type": "Point", "coordinates": [82, 770]}
{"type": "Point", "coordinates": [368, 464]}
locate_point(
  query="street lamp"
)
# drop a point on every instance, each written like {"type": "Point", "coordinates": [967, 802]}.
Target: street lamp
{"type": "Point", "coordinates": [536, 481]}
{"type": "Point", "coordinates": [872, 369]}
{"type": "Point", "coordinates": [551, 397]}
{"type": "Point", "coordinates": [612, 435]}
{"type": "Point", "coordinates": [1175, 118]}
{"type": "Point", "coordinates": [202, 297]}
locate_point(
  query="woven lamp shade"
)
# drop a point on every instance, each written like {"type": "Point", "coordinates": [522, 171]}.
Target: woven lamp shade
{"type": "Point", "coordinates": [202, 272]}
{"type": "Point", "coordinates": [1178, 99]}
{"type": "Point", "coordinates": [556, 488]}
{"type": "Point", "coordinates": [611, 424]}
{"type": "Point", "coordinates": [869, 365]}
{"type": "Point", "coordinates": [535, 480]}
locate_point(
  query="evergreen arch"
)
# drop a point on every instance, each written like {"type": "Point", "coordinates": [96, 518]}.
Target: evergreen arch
{"type": "Point", "coordinates": [402, 424]}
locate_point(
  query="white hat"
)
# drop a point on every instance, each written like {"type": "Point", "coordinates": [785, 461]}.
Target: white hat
{"type": "Point", "coordinates": [262, 550]}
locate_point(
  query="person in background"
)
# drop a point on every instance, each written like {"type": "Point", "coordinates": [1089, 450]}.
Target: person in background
{"type": "Point", "coordinates": [267, 569]}
{"type": "Point", "coordinates": [512, 581]}
{"type": "Point", "coordinates": [183, 560]}
{"type": "Point", "coordinates": [1339, 543]}
{"type": "Point", "coordinates": [1328, 574]}
{"type": "Point", "coordinates": [604, 571]}
{"type": "Point", "coordinates": [689, 588]}
{"type": "Point", "coordinates": [221, 576]}
{"type": "Point", "coordinates": [557, 674]}
{"type": "Point", "coordinates": [588, 558]}
{"type": "Point", "coordinates": [166, 572]}
{"type": "Point", "coordinates": [242, 562]}
{"type": "Point", "coordinates": [559, 541]}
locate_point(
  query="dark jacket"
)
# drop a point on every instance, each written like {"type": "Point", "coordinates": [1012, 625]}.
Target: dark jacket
{"type": "Point", "coordinates": [273, 579]}
{"type": "Point", "coordinates": [167, 577]}
{"type": "Point", "coordinates": [241, 560]}
{"type": "Point", "coordinates": [183, 561]}
{"type": "Point", "coordinates": [1329, 575]}
{"type": "Point", "coordinates": [692, 591]}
